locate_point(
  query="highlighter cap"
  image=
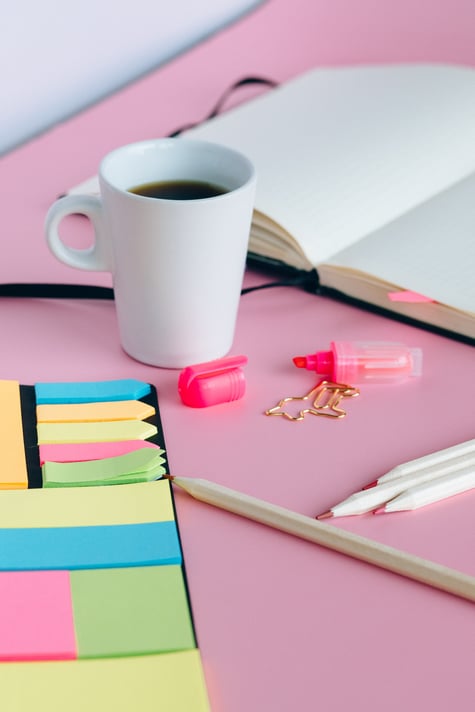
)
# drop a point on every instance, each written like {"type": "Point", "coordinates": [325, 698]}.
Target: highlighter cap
{"type": "Point", "coordinates": [213, 382]}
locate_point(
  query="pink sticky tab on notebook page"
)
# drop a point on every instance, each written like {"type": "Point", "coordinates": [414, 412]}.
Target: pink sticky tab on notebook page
{"type": "Point", "coordinates": [409, 297]}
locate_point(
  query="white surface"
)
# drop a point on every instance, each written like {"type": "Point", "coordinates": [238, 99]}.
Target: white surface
{"type": "Point", "coordinates": [57, 57]}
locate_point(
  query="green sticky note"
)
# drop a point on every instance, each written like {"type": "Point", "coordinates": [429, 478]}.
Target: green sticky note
{"type": "Point", "coordinates": [141, 465]}
{"type": "Point", "coordinates": [131, 611]}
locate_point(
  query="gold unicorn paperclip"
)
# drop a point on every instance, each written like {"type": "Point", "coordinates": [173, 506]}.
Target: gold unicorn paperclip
{"type": "Point", "coordinates": [325, 398]}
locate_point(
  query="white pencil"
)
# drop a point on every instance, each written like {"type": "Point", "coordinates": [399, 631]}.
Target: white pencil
{"type": "Point", "coordinates": [353, 545]}
{"type": "Point", "coordinates": [367, 500]}
{"type": "Point", "coordinates": [432, 491]}
{"type": "Point", "coordinates": [435, 460]}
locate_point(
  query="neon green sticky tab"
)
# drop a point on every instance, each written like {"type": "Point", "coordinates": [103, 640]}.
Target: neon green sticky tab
{"type": "Point", "coordinates": [94, 432]}
{"type": "Point", "coordinates": [137, 466]}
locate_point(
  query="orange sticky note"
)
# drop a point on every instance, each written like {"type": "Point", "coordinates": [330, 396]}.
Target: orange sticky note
{"type": "Point", "coordinates": [13, 472]}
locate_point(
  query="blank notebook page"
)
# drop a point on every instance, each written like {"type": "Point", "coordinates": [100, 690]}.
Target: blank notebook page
{"type": "Point", "coordinates": [340, 152]}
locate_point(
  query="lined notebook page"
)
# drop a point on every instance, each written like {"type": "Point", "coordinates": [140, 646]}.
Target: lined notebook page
{"type": "Point", "coordinates": [342, 151]}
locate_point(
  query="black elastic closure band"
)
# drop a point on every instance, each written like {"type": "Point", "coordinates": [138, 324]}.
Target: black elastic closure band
{"type": "Point", "coordinates": [56, 291]}
{"type": "Point", "coordinates": [84, 291]}
{"type": "Point", "coordinates": [246, 81]}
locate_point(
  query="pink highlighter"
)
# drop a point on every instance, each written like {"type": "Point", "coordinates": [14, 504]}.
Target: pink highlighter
{"type": "Point", "coordinates": [364, 361]}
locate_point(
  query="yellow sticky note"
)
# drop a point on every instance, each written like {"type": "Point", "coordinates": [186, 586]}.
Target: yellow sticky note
{"type": "Point", "coordinates": [173, 682]}
{"type": "Point", "coordinates": [13, 471]}
{"type": "Point", "coordinates": [87, 506]}
{"type": "Point", "coordinates": [94, 412]}
{"type": "Point", "coordinates": [95, 432]}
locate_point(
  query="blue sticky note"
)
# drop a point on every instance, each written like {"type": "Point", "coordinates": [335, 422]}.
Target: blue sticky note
{"type": "Point", "coordinates": [152, 543]}
{"type": "Point", "coordinates": [91, 391]}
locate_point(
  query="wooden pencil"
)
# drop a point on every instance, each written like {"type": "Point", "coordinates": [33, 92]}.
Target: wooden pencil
{"type": "Point", "coordinates": [329, 536]}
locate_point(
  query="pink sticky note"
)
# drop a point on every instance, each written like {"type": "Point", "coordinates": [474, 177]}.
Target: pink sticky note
{"type": "Point", "coordinates": [409, 297]}
{"type": "Point", "coordinates": [36, 618]}
{"type": "Point", "coordinates": [81, 452]}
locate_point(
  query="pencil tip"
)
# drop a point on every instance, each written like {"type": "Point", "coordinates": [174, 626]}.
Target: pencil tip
{"type": "Point", "coordinates": [325, 515]}
{"type": "Point", "coordinates": [370, 484]}
{"type": "Point", "coordinates": [168, 477]}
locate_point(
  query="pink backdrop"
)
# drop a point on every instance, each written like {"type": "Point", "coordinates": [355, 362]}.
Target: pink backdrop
{"type": "Point", "coordinates": [282, 625]}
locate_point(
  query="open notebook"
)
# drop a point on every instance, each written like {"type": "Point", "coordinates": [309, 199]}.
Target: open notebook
{"type": "Point", "coordinates": [368, 175]}
{"type": "Point", "coordinates": [366, 183]}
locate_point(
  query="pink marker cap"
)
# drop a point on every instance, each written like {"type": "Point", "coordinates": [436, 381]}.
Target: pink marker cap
{"type": "Point", "coordinates": [213, 382]}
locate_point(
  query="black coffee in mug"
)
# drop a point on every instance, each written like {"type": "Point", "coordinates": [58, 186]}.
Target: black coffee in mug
{"type": "Point", "coordinates": [179, 189]}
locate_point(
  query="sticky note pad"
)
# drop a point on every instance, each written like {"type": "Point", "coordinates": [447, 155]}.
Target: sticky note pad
{"type": "Point", "coordinates": [13, 470]}
{"type": "Point", "coordinates": [95, 432]}
{"type": "Point", "coordinates": [88, 506]}
{"type": "Point", "coordinates": [80, 452]}
{"type": "Point", "coordinates": [171, 682]}
{"type": "Point", "coordinates": [91, 391]}
{"type": "Point", "coordinates": [89, 547]}
{"type": "Point", "coordinates": [137, 466]}
{"type": "Point", "coordinates": [94, 412]}
{"type": "Point", "coordinates": [36, 619]}
{"type": "Point", "coordinates": [131, 611]}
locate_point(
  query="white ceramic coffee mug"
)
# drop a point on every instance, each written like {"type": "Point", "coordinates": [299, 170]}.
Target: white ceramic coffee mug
{"type": "Point", "coordinates": [177, 265]}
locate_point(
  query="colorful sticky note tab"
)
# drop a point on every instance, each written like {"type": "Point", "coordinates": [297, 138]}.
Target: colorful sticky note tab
{"type": "Point", "coordinates": [131, 611]}
{"type": "Point", "coordinates": [87, 506]}
{"type": "Point", "coordinates": [173, 682]}
{"type": "Point", "coordinates": [13, 472]}
{"type": "Point", "coordinates": [137, 466]}
{"type": "Point", "coordinates": [80, 452]}
{"type": "Point", "coordinates": [91, 391]}
{"type": "Point", "coordinates": [154, 543]}
{"type": "Point", "coordinates": [95, 432]}
{"type": "Point", "coordinates": [94, 412]}
{"type": "Point", "coordinates": [36, 617]}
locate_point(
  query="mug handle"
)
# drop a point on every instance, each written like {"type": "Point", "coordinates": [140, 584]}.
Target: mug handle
{"type": "Point", "coordinates": [95, 257]}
